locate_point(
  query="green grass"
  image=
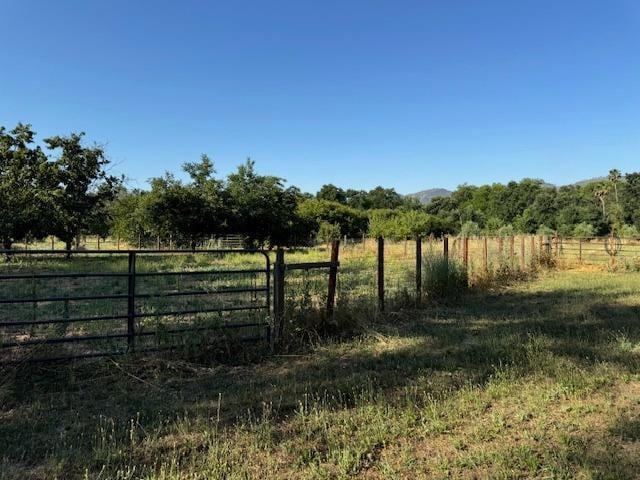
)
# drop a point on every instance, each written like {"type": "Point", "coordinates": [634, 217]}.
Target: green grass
{"type": "Point", "coordinates": [539, 380]}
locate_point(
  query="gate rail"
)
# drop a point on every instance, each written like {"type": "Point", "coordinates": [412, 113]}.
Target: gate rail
{"type": "Point", "coordinates": [132, 294]}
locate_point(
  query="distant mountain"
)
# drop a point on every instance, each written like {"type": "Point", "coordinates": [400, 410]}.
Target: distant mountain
{"type": "Point", "coordinates": [425, 196]}
{"type": "Point", "coordinates": [582, 183]}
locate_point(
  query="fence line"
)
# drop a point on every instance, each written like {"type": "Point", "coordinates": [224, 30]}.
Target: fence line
{"type": "Point", "coordinates": [47, 300]}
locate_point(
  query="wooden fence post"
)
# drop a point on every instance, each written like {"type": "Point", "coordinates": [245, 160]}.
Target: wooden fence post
{"type": "Point", "coordinates": [485, 255]}
{"type": "Point", "coordinates": [445, 247]}
{"type": "Point", "coordinates": [465, 252]}
{"type": "Point", "coordinates": [540, 242]}
{"type": "Point", "coordinates": [533, 247]}
{"type": "Point", "coordinates": [418, 271]}
{"type": "Point", "coordinates": [381, 274]}
{"type": "Point", "coordinates": [580, 250]}
{"type": "Point", "coordinates": [98, 242]}
{"type": "Point", "coordinates": [158, 243]}
{"type": "Point", "coordinates": [512, 252]}
{"type": "Point", "coordinates": [278, 292]}
{"type": "Point", "coordinates": [131, 301]}
{"type": "Point", "coordinates": [333, 277]}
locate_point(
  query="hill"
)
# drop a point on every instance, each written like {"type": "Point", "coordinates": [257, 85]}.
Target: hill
{"type": "Point", "coordinates": [425, 196]}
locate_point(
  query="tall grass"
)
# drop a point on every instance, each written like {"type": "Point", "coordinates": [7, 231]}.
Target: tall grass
{"type": "Point", "coordinates": [443, 278]}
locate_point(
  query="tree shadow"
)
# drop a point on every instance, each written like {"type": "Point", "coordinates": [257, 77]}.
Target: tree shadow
{"type": "Point", "coordinates": [440, 348]}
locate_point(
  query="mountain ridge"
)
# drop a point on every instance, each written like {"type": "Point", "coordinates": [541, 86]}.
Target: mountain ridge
{"type": "Point", "coordinates": [425, 196]}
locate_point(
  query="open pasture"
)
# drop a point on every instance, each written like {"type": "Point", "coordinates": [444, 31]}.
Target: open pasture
{"type": "Point", "coordinates": [537, 380]}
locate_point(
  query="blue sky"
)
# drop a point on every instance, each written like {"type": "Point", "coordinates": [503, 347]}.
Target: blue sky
{"type": "Point", "coordinates": [406, 94]}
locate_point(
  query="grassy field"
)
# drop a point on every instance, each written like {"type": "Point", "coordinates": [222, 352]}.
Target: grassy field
{"type": "Point", "coordinates": [537, 380]}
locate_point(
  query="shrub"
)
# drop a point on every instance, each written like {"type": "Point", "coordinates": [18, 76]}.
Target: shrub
{"type": "Point", "coordinates": [470, 229]}
{"type": "Point", "coordinates": [628, 231]}
{"type": "Point", "coordinates": [544, 230]}
{"type": "Point", "coordinates": [492, 225]}
{"type": "Point", "coordinates": [442, 278]}
{"type": "Point", "coordinates": [328, 232]}
{"type": "Point", "coordinates": [584, 229]}
{"type": "Point", "coordinates": [506, 231]}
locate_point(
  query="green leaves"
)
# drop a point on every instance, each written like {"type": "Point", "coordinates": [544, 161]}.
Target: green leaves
{"type": "Point", "coordinates": [27, 183]}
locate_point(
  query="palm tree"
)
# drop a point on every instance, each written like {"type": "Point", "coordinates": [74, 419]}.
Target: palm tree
{"type": "Point", "coordinates": [614, 178]}
{"type": "Point", "coordinates": [602, 195]}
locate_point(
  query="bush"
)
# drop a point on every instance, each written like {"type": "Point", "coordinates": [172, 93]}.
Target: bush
{"type": "Point", "coordinates": [442, 278]}
{"type": "Point", "coordinates": [627, 231]}
{"type": "Point", "coordinates": [506, 231]}
{"type": "Point", "coordinates": [328, 232]}
{"type": "Point", "coordinates": [544, 230]}
{"type": "Point", "coordinates": [584, 230]}
{"type": "Point", "coordinates": [470, 229]}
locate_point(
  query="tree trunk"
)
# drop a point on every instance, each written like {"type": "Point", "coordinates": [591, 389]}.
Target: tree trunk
{"type": "Point", "coordinates": [67, 246]}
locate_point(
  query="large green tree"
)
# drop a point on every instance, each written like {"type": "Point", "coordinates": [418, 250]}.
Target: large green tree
{"type": "Point", "coordinates": [262, 209]}
{"type": "Point", "coordinates": [27, 183]}
{"type": "Point", "coordinates": [187, 212]}
{"type": "Point", "coordinates": [83, 186]}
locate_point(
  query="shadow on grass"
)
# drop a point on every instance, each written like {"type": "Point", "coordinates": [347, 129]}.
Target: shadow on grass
{"type": "Point", "coordinates": [53, 410]}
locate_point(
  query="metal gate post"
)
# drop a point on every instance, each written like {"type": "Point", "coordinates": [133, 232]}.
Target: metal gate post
{"type": "Point", "coordinates": [278, 293]}
{"type": "Point", "coordinates": [131, 301]}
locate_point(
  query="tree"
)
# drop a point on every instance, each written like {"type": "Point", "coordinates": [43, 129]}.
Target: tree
{"type": "Point", "coordinates": [601, 195]}
{"type": "Point", "coordinates": [384, 198]}
{"type": "Point", "coordinates": [584, 230]}
{"type": "Point", "coordinates": [358, 199]}
{"type": "Point", "coordinates": [332, 193]}
{"type": "Point", "coordinates": [629, 231]}
{"type": "Point", "coordinates": [470, 229]}
{"type": "Point", "coordinates": [129, 216]}
{"type": "Point", "coordinates": [189, 212]}
{"type": "Point", "coordinates": [352, 222]}
{"type": "Point", "coordinates": [614, 178]}
{"type": "Point", "coordinates": [83, 186]}
{"type": "Point", "coordinates": [506, 231]}
{"type": "Point", "coordinates": [261, 208]}
{"type": "Point", "coordinates": [26, 186]}
{"type": "Point", "coordinates": [382, 223]}
{"type": "Point", "coordinates": [631, 198]}
{"type": "Point", "coordinates": [328, 232]}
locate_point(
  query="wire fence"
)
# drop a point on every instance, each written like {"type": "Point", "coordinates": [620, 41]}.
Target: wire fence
{"type": "Point", "coordinates": [86, 306]}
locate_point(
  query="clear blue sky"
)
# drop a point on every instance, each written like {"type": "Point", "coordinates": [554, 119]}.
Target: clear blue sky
{"type": "Point", "coordinates": [407, 94]}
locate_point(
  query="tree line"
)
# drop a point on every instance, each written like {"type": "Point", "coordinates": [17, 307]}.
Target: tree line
{"type": "Point", "coordinates": [63, 188]}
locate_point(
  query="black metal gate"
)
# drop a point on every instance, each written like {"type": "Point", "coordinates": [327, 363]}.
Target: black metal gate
{"type": "Point", "coordinates": [111, 302]}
